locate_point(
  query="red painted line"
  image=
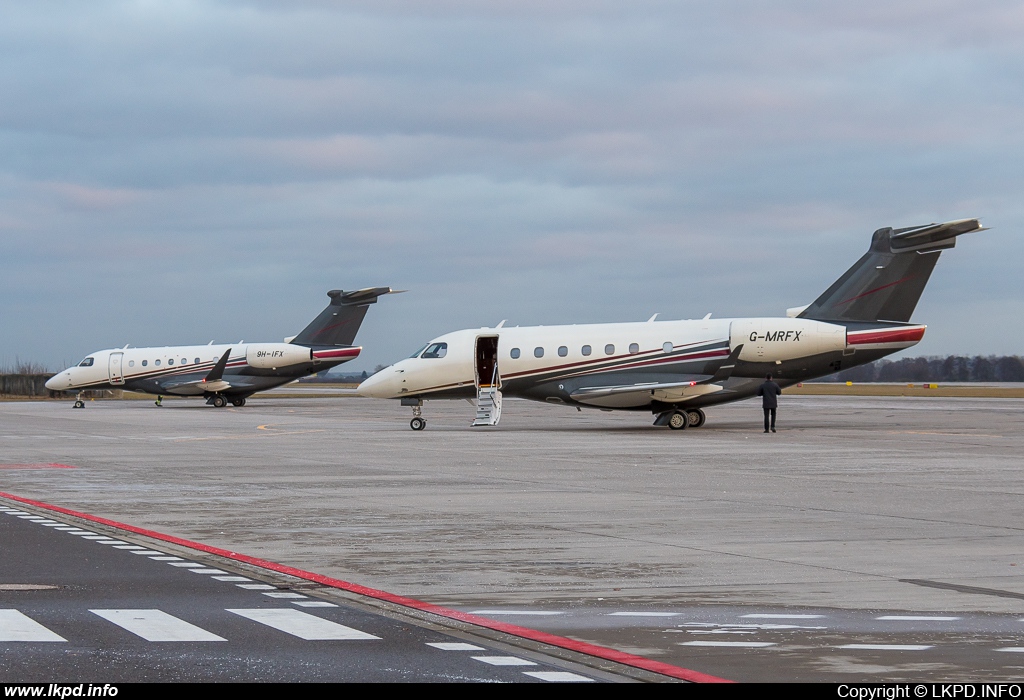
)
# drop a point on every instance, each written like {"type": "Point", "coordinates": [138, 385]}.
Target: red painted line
{"type": "Point", "coordinates": [346, 352]}
{"type": "Point", "coordinates": [524, 632]}
{"type": "Point", "coordinates": [37, 465]}
{"type": "Point", "coordinates": [901, 335]}
{"type": "Point", "coordinates": [876, 289]}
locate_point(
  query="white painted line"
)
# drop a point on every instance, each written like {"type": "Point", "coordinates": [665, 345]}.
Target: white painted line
{"type": "Point", "coordinates": [1019, 650]}
{"type": "Point", "coordinates": [644, 614]}
{"type": "Point", "coordinates": [208, 571]}
{"type": "Point", "coordinates": [101, 538]}
{"type": "Point", "coordinates": [753, 645]}
{"type": "Point", "coordinates": [145, 551]}
{"type": "Point", "coordinates": [54, 523]}
{"type": "Point", "coordinates": [230, 578]}
{"type": "Point", "coordinates": [45, 521]}
{"type": "Point", "coordinates": [284, 594]}
{"type": "Point", "coordinates": [300, 624]}
{"type": "Point", "coordinates": [78, 530]}
{"type": "Point", "coordinates": [455, 646]}
{"type": "Point", "coordinates": [33, 518]}
{"type": "Point", "coordinates": [166, 558]}
{"type": "Point", "coordinates": [782, 616]}
{"type": "Point", "coordinates": [559, 676]}
{"type": "Point", "coordinates": [503, 660]}
{"type": "Point", "coordinates": [126, 546]}
{"type": "Point", "coordinates": [190, 564]}
{"type": "Point", "coordinates": [157, 626]}
{"type": "Point", "coordinates": [107, 540]}
{"type": "Point", "coordinates": [18, 627]}
{"type": "Point", "coordinates": [887, 647]}
{"type": "Point", "coordinates": [256, 586]}
{"type": "Point", "coordinates": [513, 612]}
{"type": "Point", "coordinates": [915, 617]}
{"type": "Point", "coordinates": [66, 528]}
{"type": "Point", "coordinates": [314, 604]}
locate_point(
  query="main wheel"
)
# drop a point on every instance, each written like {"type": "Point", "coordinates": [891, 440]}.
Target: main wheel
{"type": "Point", "coordinates": [238, 402]}
{"type": "Point", "coordinates": [696, 417]}
{"type": "Point", "coordinates": [417, 423]}
{"type": "Point", "coordinates": [678, 421]}
{"type": "Point", "coordinates": [219, 402]}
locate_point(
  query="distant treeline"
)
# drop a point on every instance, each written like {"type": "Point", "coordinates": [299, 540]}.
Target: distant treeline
{"type": "Point", "coordinates": [955, 368]}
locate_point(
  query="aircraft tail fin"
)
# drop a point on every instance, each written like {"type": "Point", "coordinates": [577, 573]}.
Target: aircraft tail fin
{"type": "Point", "coordinates": [887, 282]}
{"type": "Point", "coordinates": [340, 321]}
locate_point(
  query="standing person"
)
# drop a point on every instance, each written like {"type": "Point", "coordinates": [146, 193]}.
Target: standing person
{"type": "Point", "coordinates": [769, 393]}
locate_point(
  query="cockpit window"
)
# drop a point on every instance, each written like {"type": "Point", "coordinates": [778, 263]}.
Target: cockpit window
{"type": "Point", "coordinates": [435, 350]}
{"type": "Point", "coordinates": [417, 353]}
{"type": "Point", "coordinates": [87, 362]}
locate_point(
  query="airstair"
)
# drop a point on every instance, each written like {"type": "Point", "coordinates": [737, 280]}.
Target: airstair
{"type": "Point", "coordinates": [488, 401]}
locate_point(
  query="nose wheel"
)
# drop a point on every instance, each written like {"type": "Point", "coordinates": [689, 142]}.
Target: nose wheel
{"type": "Point", "coordinates": [418, 422]}
{"type": "Point", "coordinates": [78, 401]}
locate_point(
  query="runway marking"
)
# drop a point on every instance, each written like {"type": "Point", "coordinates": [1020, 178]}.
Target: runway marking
{"type": "Point", "coordinates": [125, 546]}
{"type": "Point", "coordinates": [782, 616]}
{"type": "Point", "coordinates": [1019, 650]}
{"type": "Point", "coordinates": [204, 570]}
{"type": "Point", "coordinates": [301, 625]}
{"type": "Point", "coordinates": [915, 617]}
{"type": "Point", "coordinates": [230, 578]}
{"type": "Point", "coordinates": [187, 564]}
{"type": "Point", "coordinates": [157, 626]}
{"type": "Point", "coordinates": [644, 614]}
{"type": "Point", "coordinates": [455, 646]}
{"type": "Point", "coordinates": [314, 604]}
{"type": "Point", "coordinates": [887, 647]}
{"type": "Point", "coordinates": [707, 643]}
{"type": "Point", "coordinates": [256, 586]}
{"type": "Point", "coordinates": [514, 612]}
{"type": "Point", "coordinates": [104, 539]}
{"type": "Point", "coordinates": [283, 594]}
{"type": "Point", "coordinates": [504, 660]}
{"type": "Point", "coordinates": [146, 552]}
{"type": "Point", "coordinates": [167, 558]}
{"type": "Point", "coordinates": [18, 627]}
{"type": "Point", "coordinates": [559, 676]}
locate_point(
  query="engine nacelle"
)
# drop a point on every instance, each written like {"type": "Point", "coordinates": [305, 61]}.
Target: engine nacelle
{"type": "Point", "coordinates": [771, 339]}
{"type": "Point", "coordinates": [274, 355]}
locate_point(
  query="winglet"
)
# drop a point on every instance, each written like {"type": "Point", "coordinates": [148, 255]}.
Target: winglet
{"type": "Point", "coordinates": [217, 373]}
{"type": "Point", "coordinates": [726, 368]}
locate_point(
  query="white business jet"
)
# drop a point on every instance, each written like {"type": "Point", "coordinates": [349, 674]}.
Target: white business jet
{"type": "Point", "coordinates": [227, 373]}
{"type": "Point", "coordinates": [676, 368]}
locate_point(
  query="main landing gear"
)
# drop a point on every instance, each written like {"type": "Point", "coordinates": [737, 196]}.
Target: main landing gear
{"type": "Point", "coordinates": [220, 401]}
{"type": "Point", "coordinates": [680, 419]}
{"type": "Point", "coordinates": [418, 422]}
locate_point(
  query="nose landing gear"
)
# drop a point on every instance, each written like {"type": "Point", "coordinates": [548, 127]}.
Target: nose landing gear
{"type": "Point", "coordinates": [418, 422]}
{"type": "Point", "coordinates": [78, 401]}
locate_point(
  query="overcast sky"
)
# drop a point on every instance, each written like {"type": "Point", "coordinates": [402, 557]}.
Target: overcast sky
{"type": "Point", "coordinates": [179, 172]}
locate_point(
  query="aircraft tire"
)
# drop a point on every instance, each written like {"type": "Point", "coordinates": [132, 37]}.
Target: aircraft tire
{"type": "Point", "coordinates": [417, 423]}
{"type": "Point", "coordinates": [238, 402]}
{"type": "Point", "coordinates": [79, 404]}
{"type": "Point", "coordinates": [219, 402]}
{"type": "Point", "coordinates": [696, 417]}
{"type": "Point", "coordinates": [678, 420]}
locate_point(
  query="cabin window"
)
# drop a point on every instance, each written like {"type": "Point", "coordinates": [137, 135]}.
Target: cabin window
{"type": "Point", "coordinates": [184, 360]}
{"type": "Point", "coordinates": [87, 362]}
{"type": "Point", "coordinates": [514, 354]}
{"type": "Point", "coordinates": [435, 351]}
{"type": "Point", "coordinates": [609, 349]}
{"type": "Point", "coordinates": [538, 352]}
{"type": "Point", "coordinates": [585, 350]}
{"type": "Point", "coordinates": [170, 361]}
{"type": "Point", "coordinates": [131, 363]}
{"type": "Point", "coordinates": [157, 363]}
{"type": "Point", "coordinates": [666, 346]}
{"type": "Point", "coordinates": [197, 360]}
{"type": "Point", "coordinates": [145, 362]}
{"type": "Point", "coordinates": [563, 351]}
{"type": "Point", "coordinates": [633, 348]}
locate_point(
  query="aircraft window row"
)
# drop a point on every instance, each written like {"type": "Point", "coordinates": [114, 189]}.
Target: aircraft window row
{"type": "Point", "coordinates": [586, 350]}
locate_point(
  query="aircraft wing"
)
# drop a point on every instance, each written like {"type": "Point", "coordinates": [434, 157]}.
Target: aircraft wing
{"type": "Point", "coordinates": [214, 381]}
{"type": "Point", "coordinates": [640, 394]}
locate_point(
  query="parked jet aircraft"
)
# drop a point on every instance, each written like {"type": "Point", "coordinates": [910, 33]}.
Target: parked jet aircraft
{"type": "Point", "coordinates": [223, 373]}
{"type": "Point", "coordinates": [676, 368]}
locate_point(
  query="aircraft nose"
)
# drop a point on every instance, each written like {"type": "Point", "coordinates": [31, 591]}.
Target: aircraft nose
{"type": "Point", "coordinates": [54, 382]}
{"type": "Point", "coordinates": [380, 386]}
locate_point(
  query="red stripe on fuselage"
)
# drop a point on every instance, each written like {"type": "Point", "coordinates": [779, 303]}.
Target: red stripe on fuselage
{"type": "Point", "coordinates": [898, 335]}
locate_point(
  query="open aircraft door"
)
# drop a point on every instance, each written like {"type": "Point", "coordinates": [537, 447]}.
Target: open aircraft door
{"type": "Point", "coordinates": [488, 380]}
{"type": "Point", "coordinates": [114, 368]}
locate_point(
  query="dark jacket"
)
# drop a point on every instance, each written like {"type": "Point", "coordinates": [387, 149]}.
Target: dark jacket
{"type": "Point", "coordinates": [769, 391]}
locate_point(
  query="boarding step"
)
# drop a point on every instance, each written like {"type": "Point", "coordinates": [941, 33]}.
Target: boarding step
{"type": "Point", "coordinates": [488, 406]}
